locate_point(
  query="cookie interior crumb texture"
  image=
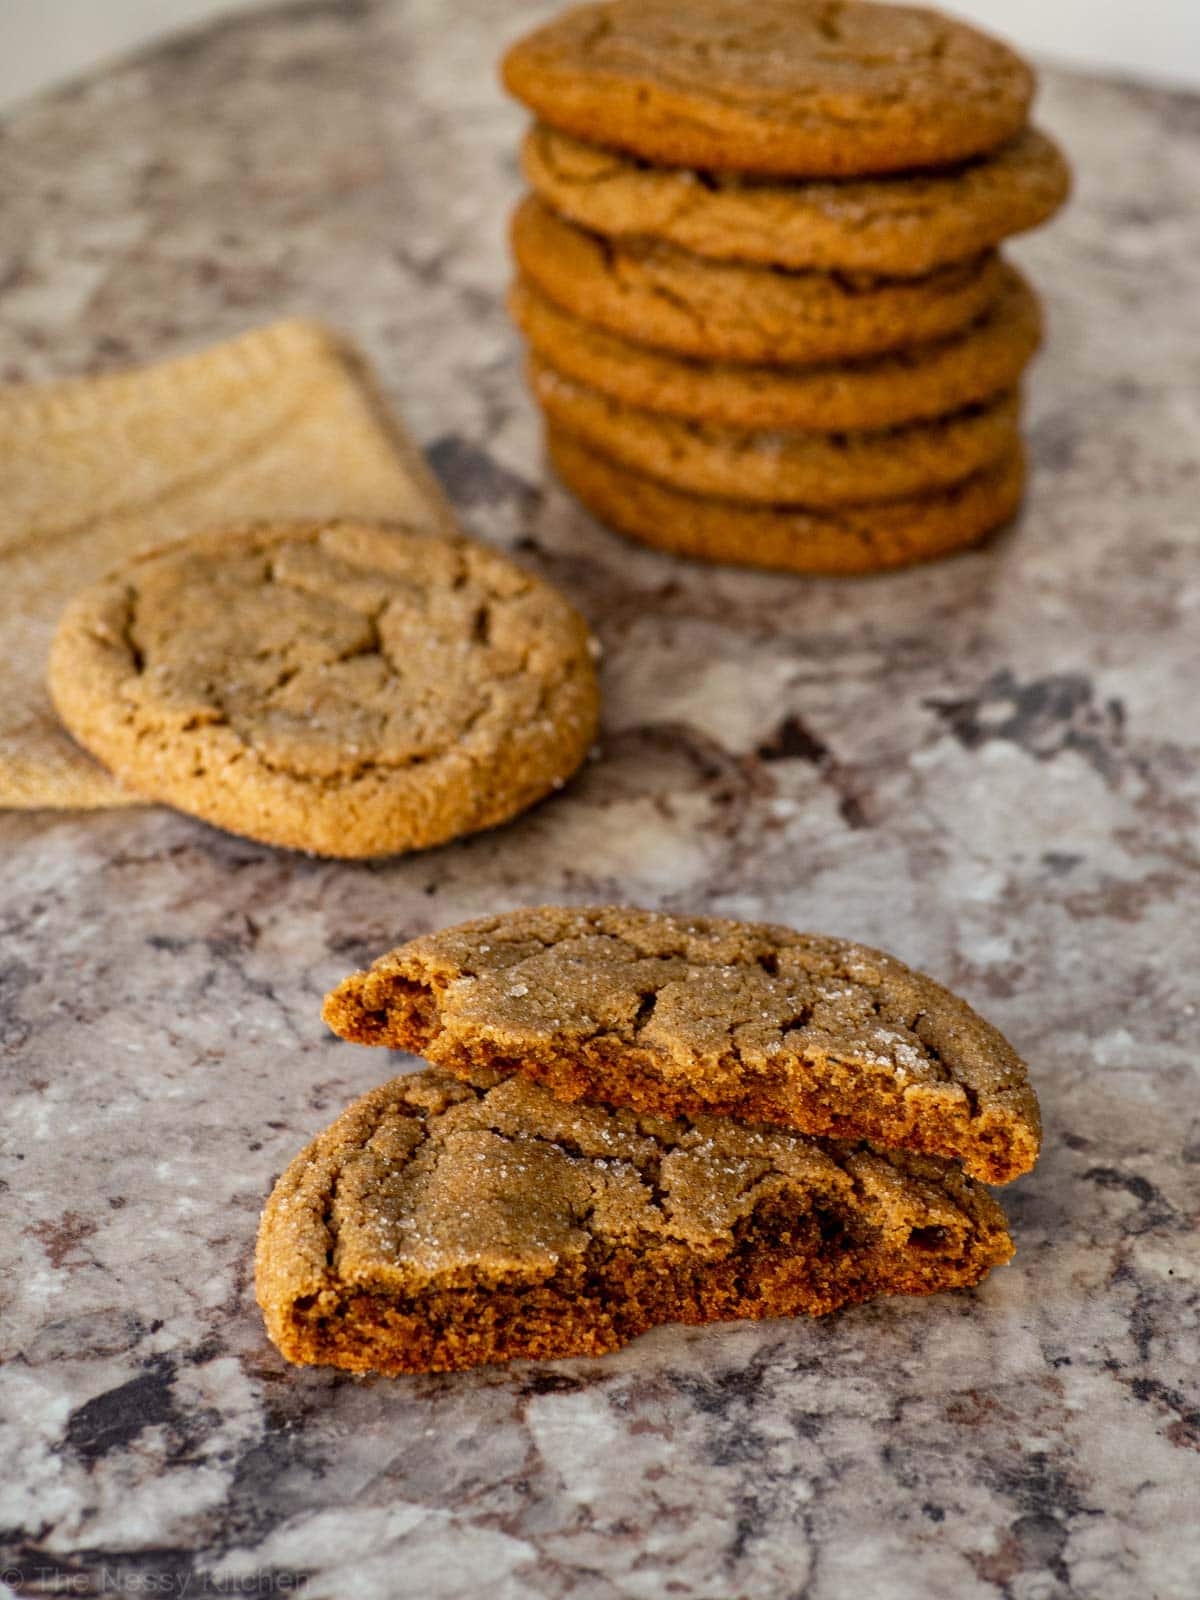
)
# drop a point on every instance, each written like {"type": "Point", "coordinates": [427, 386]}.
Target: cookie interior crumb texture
{"type": "Point", "coordinates": [705, 1017]}
{"type": "Point", "coordinates": [443, 1223]}
{"type": "Point", "coordinates": [344, 688]}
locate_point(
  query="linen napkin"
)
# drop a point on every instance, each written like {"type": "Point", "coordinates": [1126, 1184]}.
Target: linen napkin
{"type": "Point", "coordinates": [284, 422]}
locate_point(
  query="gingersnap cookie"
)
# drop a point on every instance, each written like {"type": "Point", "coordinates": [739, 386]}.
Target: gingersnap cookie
{"type": "Point", "coordinates": [789, 87]}
{"type": "Point", "coordinates": [810, 469]}
{"type": "Point", "coordinates": [930, 380]}
{"type": "Point", "coordinates": [441, 1224]}
{"type": "Point", "coordinates": [839, 542]}
{"type": "Point", "coordinates": [901, 226]}
{"type": "Point", "coordinates": [658, 295]}
{"type": "Point", "coordinates": [345, 688]}
{"type": "Point", "coordinates": [699, 1016]}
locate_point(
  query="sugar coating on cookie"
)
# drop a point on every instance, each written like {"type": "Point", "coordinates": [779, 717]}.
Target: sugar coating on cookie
{"type": "Point", "coordinates": [821, 88]}
{"type": "Point", "coordinates": [915, 385]}
{"type": "Point", "coordinates": [698, 1016]}
{"type": "Point", "coordinates": [344, 688]}
{"type": "Point", "coordinates": [656, 294]}
{"type": "Point", "coordinates": [440, 1224]}
{"type": "Point", "coordinates": [900, 226]}
{"type": "Point", "coordinates": [838, 541]}
{"type": "Point", "coordinates": [773, 466]}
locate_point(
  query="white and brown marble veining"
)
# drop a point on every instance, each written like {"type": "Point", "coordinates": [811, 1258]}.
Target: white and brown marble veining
{"type": "Point", "coordinates": [990, 766]}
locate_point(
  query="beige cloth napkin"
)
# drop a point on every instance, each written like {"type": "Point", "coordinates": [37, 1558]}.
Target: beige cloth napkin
{"type": "Point", "coordinates": [281, 423]}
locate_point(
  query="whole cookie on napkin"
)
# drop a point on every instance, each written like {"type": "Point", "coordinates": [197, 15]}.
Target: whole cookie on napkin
{"type": "Point", "coordinates": [349, 689]}
{"type": "Point", "coordinates": [700, 1016]}
{"type": "Point", "coordinates": [818, 88]}
{"type": "Point", "coordinates": [440, 1224]}
{"type": "Point", "coordinates": [283, 422]}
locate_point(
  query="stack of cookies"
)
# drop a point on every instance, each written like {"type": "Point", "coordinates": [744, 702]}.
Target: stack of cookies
{"type": "Point", "coordinates": [759, 279]}
{"type": "Point", "coordinates": [632, 1118]}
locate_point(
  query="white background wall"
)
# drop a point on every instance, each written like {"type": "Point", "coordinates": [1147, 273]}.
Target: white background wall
{"type": "Point", "coordinates": [45, 41]}
{"type": "Point", "coordinates": [1150, 38]}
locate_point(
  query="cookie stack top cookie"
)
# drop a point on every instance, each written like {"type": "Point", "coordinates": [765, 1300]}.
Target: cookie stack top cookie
{"type": "Point", "coordinates": [753, 220]}
{"type": "Point", "coordinates": [820, 88]}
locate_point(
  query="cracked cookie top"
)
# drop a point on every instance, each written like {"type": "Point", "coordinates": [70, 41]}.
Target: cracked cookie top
{"type": "Point", "coordinates": [797, 88]}
{"type": "Point", "coordinates": [346, 688]}
{"type": "Point", "coordinates": [688, 1016]}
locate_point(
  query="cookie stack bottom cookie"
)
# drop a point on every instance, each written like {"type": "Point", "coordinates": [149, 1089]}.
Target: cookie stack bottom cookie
{"type": "Point", "coordinates": [846, 541]}
{"type": "Point", "coordinates": [759, 274]}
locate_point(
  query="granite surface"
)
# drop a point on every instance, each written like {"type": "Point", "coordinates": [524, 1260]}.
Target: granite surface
{"type": "Point", "coordinates": [991, 766]}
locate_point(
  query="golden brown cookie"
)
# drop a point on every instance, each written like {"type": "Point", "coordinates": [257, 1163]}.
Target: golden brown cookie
{"type": "Point", "coordinates": [841, 543]}
{"type": "Point", "coordinates": [902, 226]}
{"type": "Point", "coordinates": [914, 385]}
{"type": "Point", "coordinates": [821, 88]}
{"type": "Point", "coordinates": [658, 295]}
{"type": "Point", "coordinates": [691, 1016]}
{"type": "Point", "coordinates": [810, 469]}
{"type": "Point", "coordinates": [350, 689]}
{"type": "Point", "coordinates": [441, 1224]}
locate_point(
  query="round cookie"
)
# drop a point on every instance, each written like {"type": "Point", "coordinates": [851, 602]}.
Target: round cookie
{"type": "Point", "coordinates": [809, 469]}
{"type": "Point", "coordinates": [914, 385]}
{"type": "Point", "coordinates": [854, 540]}
{"type": "Point", "coordinates": [344, 688]}
{"type": "Point", "coordinates": [816, 88]}
{"type": "Point", "coordinates": [902, 226]}
{"type": "Point", "coordinates": [658, 295]}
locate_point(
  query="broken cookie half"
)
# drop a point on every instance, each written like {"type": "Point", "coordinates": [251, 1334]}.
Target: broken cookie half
{"type": "Point", "coordinates": [444, 1222]}
{"type": "Point", "coordinates": [635, 1119]}
{"type": "Point", "coordinates": [700, 1016]}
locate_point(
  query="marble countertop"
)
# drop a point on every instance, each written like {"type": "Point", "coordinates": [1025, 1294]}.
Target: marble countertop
{"type": "Point", "coordinates": [990, 766]}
